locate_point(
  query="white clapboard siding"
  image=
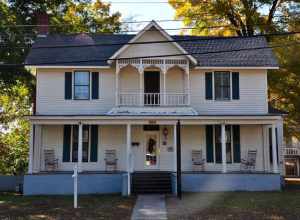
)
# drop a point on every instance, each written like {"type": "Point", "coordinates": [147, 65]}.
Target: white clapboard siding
{"type": "Point", "coordinates": [253, 94]}
{"type": "Point", "coordinates": [50, 94]}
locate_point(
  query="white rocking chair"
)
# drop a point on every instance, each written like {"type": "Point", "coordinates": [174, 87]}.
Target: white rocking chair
{"type": "Point", "coordinates": [110, 160]}
{"type": "Point", "coordinates": [249, 163]}
{"type": "Point", "coordinates": [51, 163]}
{"type": "Point", "coordinates": [197, 160]}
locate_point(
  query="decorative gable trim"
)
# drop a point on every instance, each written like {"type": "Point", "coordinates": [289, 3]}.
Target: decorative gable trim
{"type": "Point", "coordinates": [162, 31]}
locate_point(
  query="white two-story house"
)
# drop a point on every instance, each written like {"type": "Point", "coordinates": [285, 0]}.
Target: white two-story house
{"type": "Point", "coordinates": [189, 113]}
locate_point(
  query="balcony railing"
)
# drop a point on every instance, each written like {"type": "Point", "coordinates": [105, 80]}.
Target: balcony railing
{"type": "Point", "coordinates": [153, 99]}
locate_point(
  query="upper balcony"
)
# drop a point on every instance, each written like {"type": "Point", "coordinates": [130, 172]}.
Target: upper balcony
{"type": "Point", "coordinates": [152, 82]}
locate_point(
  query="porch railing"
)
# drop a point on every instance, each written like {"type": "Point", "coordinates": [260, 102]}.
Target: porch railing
{"type": "Point", "coordinates": [291, 151]}
{"type": "Point", "coordinates": [152, 99]}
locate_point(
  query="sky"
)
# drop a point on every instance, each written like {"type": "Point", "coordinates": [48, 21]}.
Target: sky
{"type": "Point", "coordinates": [146, 11]}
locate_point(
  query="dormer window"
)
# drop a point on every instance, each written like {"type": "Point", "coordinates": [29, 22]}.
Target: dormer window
{"type": "Point", "coordinates": [81, 85]}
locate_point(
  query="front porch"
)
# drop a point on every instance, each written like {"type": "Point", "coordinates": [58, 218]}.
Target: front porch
{"type": "Point", "coordinates": [130, 139]}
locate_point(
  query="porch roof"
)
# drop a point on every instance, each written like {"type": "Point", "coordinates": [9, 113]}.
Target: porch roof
{"type": "Point", "coordinates": [155, 119]}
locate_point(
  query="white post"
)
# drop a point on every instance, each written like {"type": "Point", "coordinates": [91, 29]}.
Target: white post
{"type": "Point", "coordinates": [223, 140]}
{"type": "Point", "coordinates": [75, 176]}
{"type": "Point", "coordinates": [175, 147]}
{"type": "Point", "coordinates": [31, 145]}
{"type": "Point", "coordinates": [117, 83]}
{"type": "Point", "coordinates": [141, 87]}
{"type": "Point", "coordinates": [128, 155]}
{"type": "Point", "coordinates": [274, 149]}
{"type": "Point", "coordinates": [188, 85]}
{"type": "Point", "coordinates": [79, 147]}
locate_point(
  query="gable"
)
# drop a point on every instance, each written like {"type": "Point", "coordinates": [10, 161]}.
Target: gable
{"type": "Point", "coordinates": [151, 33]}
{"type": "Point", "coordinates": [154, 49]}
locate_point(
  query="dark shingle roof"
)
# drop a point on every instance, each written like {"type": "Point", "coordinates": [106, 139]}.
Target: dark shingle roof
{"type": "Point", "coordinates": [92, 54]}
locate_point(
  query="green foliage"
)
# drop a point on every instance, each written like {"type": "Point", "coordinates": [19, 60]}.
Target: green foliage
{"type": "Point", "coordinates": [241, 17]}
{"type": "Point", "coordinates": [14, 130]}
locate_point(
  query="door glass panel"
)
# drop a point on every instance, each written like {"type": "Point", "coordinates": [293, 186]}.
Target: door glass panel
{"type": "Point", "coordinates": [151, 151]}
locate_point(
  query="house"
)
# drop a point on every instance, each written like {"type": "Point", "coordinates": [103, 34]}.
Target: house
{"type": "Point", "coordinates": [135, 112]}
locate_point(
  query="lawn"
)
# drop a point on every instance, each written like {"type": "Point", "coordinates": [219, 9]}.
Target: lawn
{"type": "Point", "coordinates": [236, 205]}
{"type": "Point", "coordinates": [61, 207]}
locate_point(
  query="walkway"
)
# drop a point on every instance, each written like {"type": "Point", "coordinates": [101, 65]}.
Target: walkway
{"type": "Point", "coordinates": [150, 207]}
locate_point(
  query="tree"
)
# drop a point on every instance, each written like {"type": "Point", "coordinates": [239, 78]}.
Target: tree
{"type": "Point", "coordinates": [242, 17]}
{"type": "Point", "coordinates": [17, 83]}
{"type": "Point", "coordinates": [247, 18]}
{"type": "Point", "coordinates": [15, 105]}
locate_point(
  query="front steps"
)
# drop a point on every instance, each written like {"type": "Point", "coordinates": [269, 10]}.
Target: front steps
{"type": "Point", "coordinates": [151, 182]}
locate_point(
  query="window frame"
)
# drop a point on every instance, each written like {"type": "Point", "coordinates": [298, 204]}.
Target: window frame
{"type": "Point", "coordinates": [74, 85]}
{"type": "Point", "coordinates": [230, 86]}
{"type": "Point", "coordinates": [231, 146]}
{"type": "Point", "coordinates": [72, 141]}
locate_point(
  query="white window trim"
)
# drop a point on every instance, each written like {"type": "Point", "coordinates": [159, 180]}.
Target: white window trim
{"type": "Point", "coordinates": [71, 143]}
{"type": "Point", "coordinates": [214, 146]}
{"type": "Point", "coordinates": [73, 85]}
{"type": "Point", "coordinates": [213, 87]}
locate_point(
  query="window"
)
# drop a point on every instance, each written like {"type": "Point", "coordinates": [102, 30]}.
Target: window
{"type": "Point", "coordinates": [85, 143]}
{"type": "Point", "coordinates": [81, 85]}
{"type": "Point", "coordinates": [222, 85]}
{"type": "Point", "coordinates": [218, 143]}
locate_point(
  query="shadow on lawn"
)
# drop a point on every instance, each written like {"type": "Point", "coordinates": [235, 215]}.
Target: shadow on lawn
{"type": "Point", "coordinates": [61, 207]}
{"type": "Point", "coordinates": [236, 205]}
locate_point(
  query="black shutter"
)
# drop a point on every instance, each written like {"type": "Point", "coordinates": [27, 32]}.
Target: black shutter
{"type": "Point", "coordinates": [235, 85]}
{"type": "Point", "coordinates": [209, 144]}
{"type": "Point", "coordinates": [68, 85]}
{"type": "Point", "coordinates": [208, 86]}
{"type": "Point", "coordinates": [270, 145]}
{"type": "Point", "coordinates": [66, 143]}
{"type": "Point", "coordinates": [95, 85]}
{"type": "Point", "coordinates": [236, 144]}
{"type": "Point", "coordinates": [94, 143]}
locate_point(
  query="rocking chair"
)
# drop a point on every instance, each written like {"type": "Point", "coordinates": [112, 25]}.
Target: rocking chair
{"type": "Point", "coordinates": [51, 163]}
{"type": "Point", "coordinates": [197, 160]}
{"type": "Point", "coordinates": [110, 160]}
{"type": "Point", "coordinates": [249, 163]}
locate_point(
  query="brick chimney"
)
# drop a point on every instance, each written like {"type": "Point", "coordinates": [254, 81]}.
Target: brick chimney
{"type": "Point", "coordinates": [43, 24]}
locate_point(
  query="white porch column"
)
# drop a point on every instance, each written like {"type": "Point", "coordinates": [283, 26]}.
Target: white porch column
{"type": "Point", "coordinates": [223, 140]}
{"type": "Point", "coordinates": [164, 72]}
{"type": "Point", "coordinates": [117, 84]}
{"type": "Point", "coordinates": [141, 75]}
{"type": "Point", "coordinates": [79, 147]}
{"type": "Point", "coordinates": [128, 156]}
{"type": "Point", "coordinates": [31, 145]}
{"type": "Point", "coordinates": [37, 149]}
{"type": "Point", "coordinates": [175, 147]}
{"type": "Point", "coordinates": [188, 85]}
{"type": "Point", "coordinates": [274, 149]}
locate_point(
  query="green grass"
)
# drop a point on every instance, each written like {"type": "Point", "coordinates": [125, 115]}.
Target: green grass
{"type": "Point", "coordinates": [236, 205]}
{"type": "Point", "coordinates": [14, 206]}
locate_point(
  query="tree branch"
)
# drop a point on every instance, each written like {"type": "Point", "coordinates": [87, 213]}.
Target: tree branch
{"type": "Point", "coordinates": [272, 11]}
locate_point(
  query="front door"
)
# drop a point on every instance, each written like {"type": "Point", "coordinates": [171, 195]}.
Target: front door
{"type": "Point", "coordinates": [152, 87]}
{"type": "Point", "coordinates": [151, 155]}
